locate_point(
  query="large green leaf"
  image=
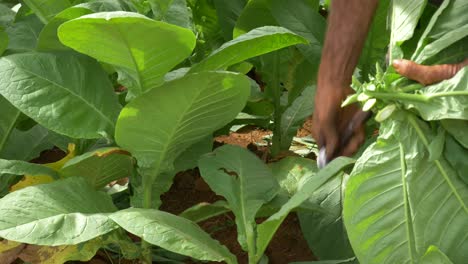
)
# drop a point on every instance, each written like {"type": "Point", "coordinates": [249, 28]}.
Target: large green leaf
{"type": "Point", "coordinates": [228, 12]}
{"type": "Point", "coordinates": [267, 229]}
{"type": "Point", "coordinates": [61, 91]}
{"type": "Point", "coordinates": [302, 17]}
{"type": "Point", "coordinates": [398, 202]}
{"type": "Point", "coordinates": [324, 228]}
{"type": "Point", "coordinates": [174, 12]}
{"type": "Point", "coordinates": [21, 145]}
{"type": "Point", "coordinates": [100, 166]}
{"type": "Point", "coordinates": [298, 65]}
{"type": "Point", "coordinates": [456, 155]}
{"type": "Point", "coordinates": [254, 43]}
{"type": "Point", "coordinates": [3, 41]}
{"type": "Point", "coordinates": [27, 145]}
{"type": "Point", "coordinates": [18, 167]}
{"type": "Point", "coordinates": [8, 120]}
{"type": "Point", "coordinates": [64, 212]}
{"type": "Point", "coordinates": [443, 98]}
{"type": "Point", "coordinates": [141, 49]}
{"type": "Point", "coordinates": [404, 17]}
{"type": "Point", "coordinates": [48, 39]}
{"type": "Point", "coordinates": [452, 17]}
{"type": "Point", "coordinates": [159, 125]}
{"type": "Point", "coordinates": [441, 43]}
{"type": "Point", "coordinates": [173, 233]}
{"type": "Point", "coordinates": [246, 183]}
{"type": "Point", "coordinates": [23, 34]}
{"type": "Point", "coordinates": [445, 28]}
{"type": "Point", "coordinates": [47, 9]}
{"type": "Point", "coordinates": [6, 15]}
{"type": "Point", "coordinates": [457, 128]}
{"type": "Point", "coordinates": [257, 13]}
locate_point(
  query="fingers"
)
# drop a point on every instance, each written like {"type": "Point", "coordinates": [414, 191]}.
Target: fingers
{"type": "Point", "coordinates": [355, 142]}
{"type": "Point", "coordinates": [427, 75]}
{"type": "Point", "coordinates": [325, 133]}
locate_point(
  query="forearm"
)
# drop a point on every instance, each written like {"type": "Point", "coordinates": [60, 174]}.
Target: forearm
{"type": "Point", "coordinates": [348, 24]}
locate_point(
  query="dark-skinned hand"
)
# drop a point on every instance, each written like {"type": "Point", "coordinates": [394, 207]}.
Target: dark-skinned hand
{"type": "Point", "coordinates": [331, 121]}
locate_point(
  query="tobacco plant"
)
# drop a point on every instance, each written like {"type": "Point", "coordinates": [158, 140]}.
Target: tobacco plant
{"type": "Point", "coordinates": [62, 82]}
{"type": "Point", "coordinates": [406, 199]}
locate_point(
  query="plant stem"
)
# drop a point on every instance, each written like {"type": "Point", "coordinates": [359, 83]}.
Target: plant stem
{"type": "Point", "coordinates": [443, 94]}
{"type": "Point", "coordinates": [412, 88]}
{"type": "Point", "coordinates": [147, 203]}
{"type": "Point", "coordinates": [401, 96]}
{"type": "Point", "coordinates": [276, 91]}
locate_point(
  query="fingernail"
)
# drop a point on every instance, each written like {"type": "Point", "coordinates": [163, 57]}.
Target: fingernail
{"type": "Point", "coordinates": [322, 158]}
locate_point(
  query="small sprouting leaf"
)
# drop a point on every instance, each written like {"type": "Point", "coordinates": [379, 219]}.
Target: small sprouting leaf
{"type": "Point", "coordinates": [385, 113]}
{"type": "Point", "coordinates": [350, 100]}
{"type": "Point", "coordinates": [369, 104]}
{"type": "Point", "coordinates": [362, 97]}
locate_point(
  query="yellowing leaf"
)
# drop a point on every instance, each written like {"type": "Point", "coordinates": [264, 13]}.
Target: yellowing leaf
{"type": "Point", "coordinates": [59, 164]}
{"type": "Point", "coordinates": [60, 254]}
{"type": "Point", "coordinates": [7, 245]}
{"type": "Point", "coordinates": [29, 180]}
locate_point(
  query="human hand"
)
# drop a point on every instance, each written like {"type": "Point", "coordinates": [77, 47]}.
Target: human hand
{"type": "Point", "coordinates": [338, 131]}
